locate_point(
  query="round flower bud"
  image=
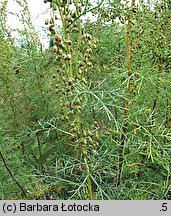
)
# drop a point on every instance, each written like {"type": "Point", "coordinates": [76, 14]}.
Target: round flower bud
{"type": "Point", "coordinates": [67, 57]}
{"type": "Point", "coordinates": [58, 38]}
{"type": "Point", "coordinates": [46, 22]}
{"type": "Point", "coordinates": [94, 46]}
{"type": "Point", "coordinates": [88, 36]}
{"type": "Point", "coordinates": [69, 42]}
{"type": "Point", "coordinates": [89, 64]}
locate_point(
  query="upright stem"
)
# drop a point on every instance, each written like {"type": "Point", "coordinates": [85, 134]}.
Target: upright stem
{"type": "Point", "coordinates": [67, 36]}
{"type": "Point", "coordinates": [89, 184]}
{"type": "Point", "coordinates": [86, 167]}
{"type": "Point", "coordinates": [70, 75]}
{"type": "Point", "coordinates": [11, 174]}
{"type": "Point", "coordinates": [79, 38]}
{"type": "Point", "coordinates": [128, 91]}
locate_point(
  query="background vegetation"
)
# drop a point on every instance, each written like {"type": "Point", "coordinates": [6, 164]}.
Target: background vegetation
{"type": "Point", "coordinates": [88, 118]}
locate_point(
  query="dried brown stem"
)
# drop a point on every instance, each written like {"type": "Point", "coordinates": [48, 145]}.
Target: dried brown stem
{"type": "Point", "coordinates": [11, 174]}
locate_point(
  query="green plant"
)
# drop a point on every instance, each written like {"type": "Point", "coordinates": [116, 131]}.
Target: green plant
{"type": "Point", "coordinates": [88, 118]}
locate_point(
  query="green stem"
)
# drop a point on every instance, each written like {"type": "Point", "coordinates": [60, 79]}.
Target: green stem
{"type": "Point", "coordinates": [90, 193]}
{"type": "Point", "coordinates": [86, 167]}
{"type": "Point", "coordinates": [70, 74]}
{"type": "Point", "coordinates": [67, 36]}
{"type": "Point", "coordinates": [79, 38]}
{"type": "Point", "coordinates": [128, 91]}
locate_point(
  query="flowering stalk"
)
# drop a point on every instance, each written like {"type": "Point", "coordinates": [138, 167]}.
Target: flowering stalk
{"type": "Point", "coordinates": [128, 91]}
